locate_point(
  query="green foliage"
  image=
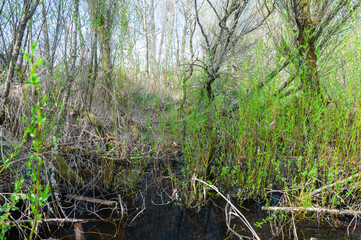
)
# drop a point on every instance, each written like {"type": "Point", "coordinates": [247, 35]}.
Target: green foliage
{"type": "Point", "coordinates": [38, 194]}
{"type": "Point", "coordinates": [292, 143]}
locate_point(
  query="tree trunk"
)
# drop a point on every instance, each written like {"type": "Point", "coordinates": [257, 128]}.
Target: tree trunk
{"type": "Point", "coordinates": [185, 28]}
{"type": "Point", "coordinates": [152, 40]}
{"type": "Point", "coordinates": [306, 40]}
{"type": "Point", "coordinates": [146, 34]}
{"type": "Point", "coordinates": [170, 31]}
{"type": "Point", "coordinates": [164, 30]}
{"type": "Point", "coordinates": [46, 35]}
{"type": "Point", "coordinates": [94, 70]}
{"type": "Point", "coordinates": [20, 70]}
{"type": "Point", "coordinates": [106, 59]}
{"type": "Point", "coordinates": [102, 17]}
{"type": "Point", "coordinates": [27, 13]}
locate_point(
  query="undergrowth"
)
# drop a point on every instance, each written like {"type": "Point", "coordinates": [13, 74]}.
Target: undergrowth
{"type": "Point", "coordinates": [293, 144]}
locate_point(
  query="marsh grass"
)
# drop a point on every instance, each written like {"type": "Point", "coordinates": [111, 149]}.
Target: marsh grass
{"type": "Point", "coordinates": [292, 144]}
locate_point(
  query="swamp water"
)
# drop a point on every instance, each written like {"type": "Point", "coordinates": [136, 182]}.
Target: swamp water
{"type": "Point", "coordinates": [154, 216]}
{"type": "Point", "coordinates": [166, 222]}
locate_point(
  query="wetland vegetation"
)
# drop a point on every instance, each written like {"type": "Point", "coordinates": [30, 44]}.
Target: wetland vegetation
{"type": "Point", "coordinates": [112, 111]}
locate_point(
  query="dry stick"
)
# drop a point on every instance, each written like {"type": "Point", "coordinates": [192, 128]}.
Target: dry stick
{"type": "Point", "coordinates": [53, 220]}
{"type": "Point", "coordinates": [237, 212]}
{"type": "Point", "coordinates": [316, 210]}
{"type": "Point", "coordinates": [62, 220]}
{"type": "Point", "coordinates": [333, 184]}
{"type": "Point", "coordinates": [79, 231]}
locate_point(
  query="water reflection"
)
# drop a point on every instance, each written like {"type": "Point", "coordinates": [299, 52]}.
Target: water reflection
{"type": "Point", "coordinates": [169, 222]}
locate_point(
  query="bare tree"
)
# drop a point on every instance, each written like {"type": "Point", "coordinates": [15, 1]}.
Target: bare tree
{"type": "Point", "coordinates": [147, 14]}
{"type": "Point", "coordinates": [162, 39]}
{"type": "Point", "coordinates": [234, 20]}
{"type": "Point", "coordinates": [3, 60]}
{"type": "Point", "coordinates": [56, 36]}
{"type": "Point", "coordinates": [152, 36]}
{"type": "Point", "coordinates": [71, 69]}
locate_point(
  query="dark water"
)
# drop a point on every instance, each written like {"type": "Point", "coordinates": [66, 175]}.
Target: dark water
{"type": "Point", "coordinates": [158, 222]}
{"type": "Point", "coordinates": [149, 219]}
{"type": "Point", "coordinates": [163, 222]}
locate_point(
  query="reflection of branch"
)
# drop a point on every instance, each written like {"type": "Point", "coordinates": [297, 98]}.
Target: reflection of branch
{"type": "Point", "coordinates": [140, 212]}
{"type": "Point", "coordinates": [235, 212]}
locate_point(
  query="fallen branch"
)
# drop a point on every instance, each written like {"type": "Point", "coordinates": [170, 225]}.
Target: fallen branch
{"type": "Point", "coordinates": [59, 221]}
{"type": "Point", "coordinates": [333, 184]}
{"type": "Point", "coordinates": [92, 200]}
{"type": "Point", "coordinates": [51, 221]}
{"type": "Point", "coordinates": [316, 210]}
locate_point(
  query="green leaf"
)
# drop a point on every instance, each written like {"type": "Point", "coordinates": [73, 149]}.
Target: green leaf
{"type": "Point", "coordinates": [45, 98]}
{"type": "Point", "coordinates": [26, 56]}
{"type": "Point", "coordinates": [39, 61]}
{"type": "Point", "coordinates": [32, 197]}
{"type": "Point", "coordinates": [38, 217]}
{"type": "Point", "coordinates": [14, 208]}
{"type": "Point", "coordinates": [33, 46]}
{"type": "Point", "coordinates": [46, 193]}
